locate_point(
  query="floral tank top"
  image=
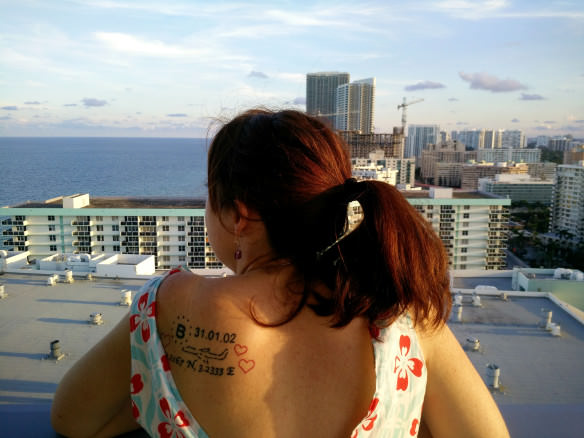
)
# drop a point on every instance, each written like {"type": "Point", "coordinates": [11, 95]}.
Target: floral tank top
{"type": "Point", "coordinates": [158, 407]}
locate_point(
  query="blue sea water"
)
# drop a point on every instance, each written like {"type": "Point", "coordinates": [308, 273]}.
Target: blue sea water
{"type": "Point", "coordinates": [37, 169]}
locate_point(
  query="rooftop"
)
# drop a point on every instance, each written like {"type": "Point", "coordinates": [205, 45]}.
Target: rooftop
{"type": "Point", "coordinates": [122, 202]}
{"type": "Point", "coordinates": [541, 392]}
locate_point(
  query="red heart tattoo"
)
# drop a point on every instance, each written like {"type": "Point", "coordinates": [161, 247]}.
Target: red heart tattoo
{"type": "Point", "coordinates": [240, 349]}
{"type": "Point", "coordinates": [246, 365]}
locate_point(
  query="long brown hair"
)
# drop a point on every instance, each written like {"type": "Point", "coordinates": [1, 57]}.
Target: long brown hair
{"type": "Point", "coordinates": [296, 173]}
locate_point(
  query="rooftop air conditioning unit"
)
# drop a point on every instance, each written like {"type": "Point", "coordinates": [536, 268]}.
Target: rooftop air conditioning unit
{"type": "Point", "coordinates": [55, 353]}
{"type": "Point", "coordinates": [126, 298]}
{"type": "Point", "coordinates": [96, 318]}
{"type": "Point", "coordinates": [473, 344]}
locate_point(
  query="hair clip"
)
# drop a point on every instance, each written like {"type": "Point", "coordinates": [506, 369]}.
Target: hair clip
{"type": "Point", "coordinates": [354, 218]}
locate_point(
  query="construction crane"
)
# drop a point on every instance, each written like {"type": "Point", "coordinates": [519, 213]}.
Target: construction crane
{"type": "Point", "coordinates": [403, 106]}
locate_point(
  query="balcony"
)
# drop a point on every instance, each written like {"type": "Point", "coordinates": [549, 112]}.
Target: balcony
{"type": "Point", "coordinates": [127, 223]}
{"type": "Point", "coordinates": [77, 223]}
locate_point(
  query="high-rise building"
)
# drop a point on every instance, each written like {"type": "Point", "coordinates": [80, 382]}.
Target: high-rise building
{"type": "Point", "coordinates": [513, 139]}
{"type": "Point", "coordinates": [419, 137]}
{"type": "Point", "coordinates": [441, 164]}
{"type": "Point", "coordinates": [355, 104]}
{"type": "Point", "coordinates": [473, 139]}
{"type": "Point", "coordinates": [473, 226]}
{"type": "Point", "coordinates": [321, 94]}
{"type": "Point", "coordinates": [567, 211]}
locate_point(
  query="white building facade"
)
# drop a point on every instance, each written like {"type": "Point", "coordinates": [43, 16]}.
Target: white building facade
{"type": "Point", "coordinates": [567, 210]}
{"type": "Point", "coordinates": [472, 226]}
{"type": "Point", "coordinates": [175, 236]}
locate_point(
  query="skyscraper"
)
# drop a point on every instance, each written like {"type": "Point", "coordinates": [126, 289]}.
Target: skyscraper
{"type": "Point", "coordinates": [321, 94]}
{"type": "Point", "coordinates": [355, 103]}
{"type": "Point", "coordinates": [419, 136]}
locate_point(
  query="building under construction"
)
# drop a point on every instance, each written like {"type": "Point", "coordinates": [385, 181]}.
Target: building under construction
{"type": "Point", "coordinates": [361, 145]}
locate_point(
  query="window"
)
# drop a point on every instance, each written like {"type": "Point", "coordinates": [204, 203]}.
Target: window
{"type": "Point", "coordinates": [99, 227]}
{"type": "Point", "coordinates": [430, 215]}
{"type": "Point", "coordinates": [164, 218]}
{"type": "Point", "coordinates": [98, 218]}
{"type": "Point", "coordinates": [116, 247]}
{"type": "Point", "coordinates": [181, 258]}
{"type": "Point", "coordinates": [53, 248]}
{"type": "Point", "coordinates": [181, 227]}
{"type": "Point", "coordinates": [116, 238]}
{"type": "Point", "coordinates": [466, 215]}
{"type": "Point", "coordinates": [100, 238]}
{"type": "Point", "coordinates": [165, 227]}
{"type": "Point", "coordinates": [181, 248]}
{"type": "Point", "coordinates": [165, 248]}
{"type": "Point", "coordinates": [467, 207]}
{"type": "Point", "coordinates": [51, 218]}
{"type": "Point", "coordinates": [51, 228]}
{"type": "Point", "coordinates": [53, 238]}
{"type": "Point", "coordinates": [180, 218]}
{"type": "Point", "coordinates": [465, 224]}
{"type": "Point", "coordinates": [465, 233]}
{"type": "Point", "coordinates": [115, 228]}
{"type": "Point", "coordinates": [103, 249]}
{"type": "Point", "coordinates": [181, 238]}
{"type": "Point", "coordinates": [114, 218]}
{"type": "Point", "coordinates": [165, 238]}
{"type": "Point", "coordinates": [463, 249]}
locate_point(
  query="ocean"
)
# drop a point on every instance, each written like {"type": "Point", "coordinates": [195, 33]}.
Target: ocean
{"type": "Point", "coordinates": [37, 169]}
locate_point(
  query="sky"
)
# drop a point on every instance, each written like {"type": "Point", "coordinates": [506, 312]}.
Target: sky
{"type": "Point", "coordinates": [173, 68]}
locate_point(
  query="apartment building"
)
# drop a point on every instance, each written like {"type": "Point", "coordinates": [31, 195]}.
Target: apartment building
{"type": "Point", "coordinates": [518, 187]}
{"type": "Point", "coordinates": [472, 172]}
{"type": "Point", "coordinates": [441, 164]}
{"type": "Point", "coordinates": [355, 106]}
{"type": "Point", "coordinates": [321, 94]}
{"type": "Point", "coordinates": [517, 155]}
{"type": "Point", "coordinates": [393, 171]}
{"type": "Point", "coordinates": [473, 226]}
{"type": "Point", "coordinates": [173, 230]}
{"type": "Point", "coordinates": [567, 210]}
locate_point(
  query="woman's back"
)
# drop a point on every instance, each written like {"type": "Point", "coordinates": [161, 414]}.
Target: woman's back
{"type": "Point", "coordinates": [300, 379]}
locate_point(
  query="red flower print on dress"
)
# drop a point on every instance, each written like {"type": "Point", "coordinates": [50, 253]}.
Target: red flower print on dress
{"type": "Point", "coordinates": [405, 365]}
{"type": "Point", "coordinates": [173, 428]}
{"type": "Point", "coordinates": [369, 420]}
{"type": "Point", "coordinates": [165, 363]}
{"type": "Point", "coordinates": [146, 311]}
{"type": "Point", "coordinates": [135, 410]}
{"type": "Point", "coordinates": [136, 384]}
{"type": "Point", "coordinates": [414, 428]}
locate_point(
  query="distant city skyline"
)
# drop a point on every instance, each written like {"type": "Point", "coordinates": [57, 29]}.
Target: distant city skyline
{"type": "Point", "coordinates": [170, 69]}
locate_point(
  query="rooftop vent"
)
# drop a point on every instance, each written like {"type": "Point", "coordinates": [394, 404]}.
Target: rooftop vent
{"type": "Point", "coordinates": [96, 318]}
{"type": "Point", "coordinates": [52, 280]}
{"type": "Point", "coordinates": [55, 353]}
{"type": "Point", "coordinates": [493, 375]}
{"type": "Point", "coordinates": [126, 298]}
{"type": "Point", "coordinates": [476, 300]}
{"type": "Point", "coordinates": [68, 277]}
{"type": "Point", "coordinates": [3, 293]}
{"type": "Point", "coordinates": [504, 296]}
{"type": "Point", "coordinates": [458, 299]}
{"type": "Point", "coordinates": [473, 344]}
